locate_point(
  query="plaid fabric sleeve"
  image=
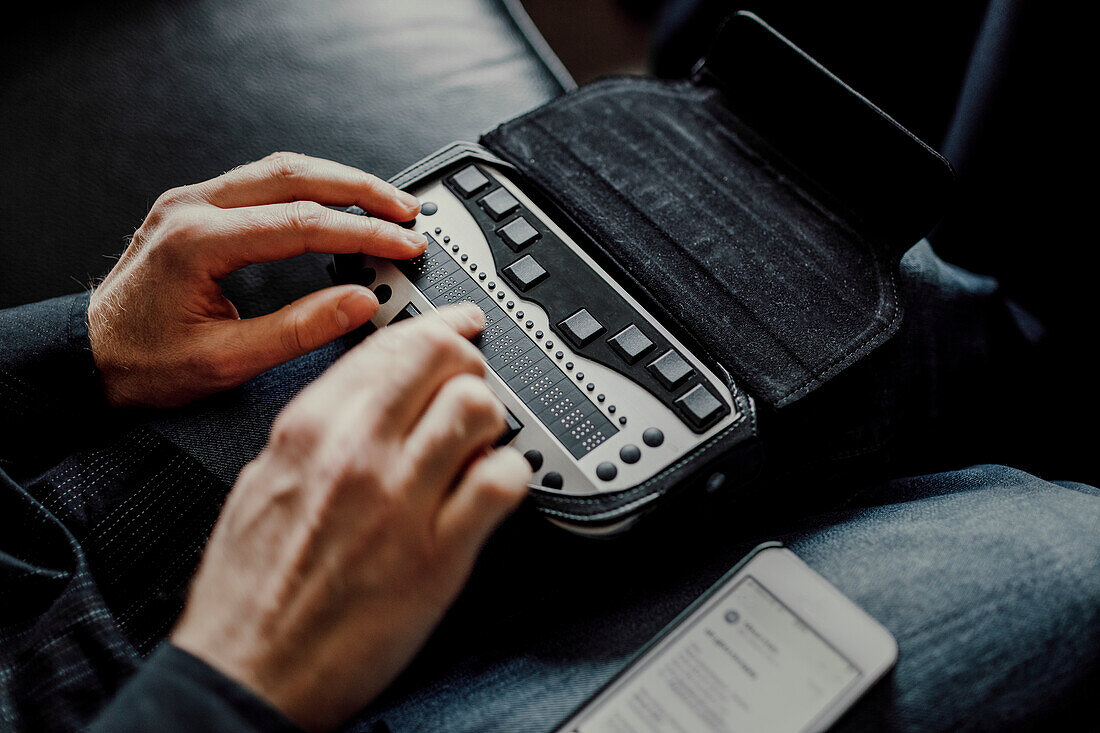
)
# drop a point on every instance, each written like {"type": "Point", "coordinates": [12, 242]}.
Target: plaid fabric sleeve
{"type": "Point", "coordinates": [50, 392]}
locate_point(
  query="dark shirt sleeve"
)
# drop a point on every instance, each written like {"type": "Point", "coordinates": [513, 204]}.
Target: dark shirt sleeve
{"type": "Point", "coordinates": [175, 691]}
{"type": "Point", "coordinates": [50, 392]}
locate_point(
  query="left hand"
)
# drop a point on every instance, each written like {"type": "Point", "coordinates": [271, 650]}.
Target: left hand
{"type": "Point", "coordinates": [163, 334]}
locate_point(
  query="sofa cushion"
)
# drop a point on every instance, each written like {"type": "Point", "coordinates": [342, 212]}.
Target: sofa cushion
{"type": "Point", "coordinates": [108, 105]}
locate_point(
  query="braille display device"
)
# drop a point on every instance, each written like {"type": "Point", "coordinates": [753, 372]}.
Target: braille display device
{"type": "Point", "coordinates": [600, 396]}
{"type": "Point", "coordinates": [661, 263]}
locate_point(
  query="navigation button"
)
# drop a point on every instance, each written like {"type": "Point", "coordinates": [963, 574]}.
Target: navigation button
{"type": "Point", "coordinates": [653, 437]}
{"type": "Point", "coordinates": [670, 369]}
{"type": "Point", "coordinates": [581, 328]}
{"type": "Point", "coordinates": [630, 453]}
{"type": "Point", "coordinates": [699, 405]}
{"type": "Point", "coordinates": [525, 272]}
{"type": "Point", "coordinates": [534, 459]}
{"type": "Point", "coordinates": [499, 203]}
{"type": "Point", "coordinates": [469, 181]}
{"type": "Point", "coordinates": [606, 471]}
{"type": "Point", "coordinates": [518, 233]}
{"type": "Point", "coordinates": [630, 343]}
{"type": "Point", "coordinates": [553, 480]}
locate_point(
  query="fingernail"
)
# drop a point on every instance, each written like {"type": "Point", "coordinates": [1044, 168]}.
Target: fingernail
{"type": "Point", "coordinates": [407, 199]}
{"type": "Point", "coordinates": [355, 308]}
{"type": "Point", "coordinates": [417, 240]}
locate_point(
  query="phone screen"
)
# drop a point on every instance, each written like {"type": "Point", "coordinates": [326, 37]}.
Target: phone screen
{"type": "Point", "coordinates": [742, 662]}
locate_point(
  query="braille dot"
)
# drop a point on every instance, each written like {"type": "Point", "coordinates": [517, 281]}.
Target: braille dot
{"type": "Point", "coordinates": [601, 397]}
{"type": "Point", "coordinates": [559, 355]}
{"type": "Point", "coordinates": [446, 240]}
{"type": "Point", "coordinates": [611, 409]}
{"type": "Point", "coordinates": [568, 365]}
{"type": "Point", "coordinates": [590, 386]}
{"type": "Point", "coordinates": [622, 420]}
{"type": "Point", "coordinates": [538, 334]}
{"type": "Point", "coordinates": [580, 376]}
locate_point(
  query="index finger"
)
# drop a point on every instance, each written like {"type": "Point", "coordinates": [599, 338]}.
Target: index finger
{"type": "Point", "coordinates": [287, 177]}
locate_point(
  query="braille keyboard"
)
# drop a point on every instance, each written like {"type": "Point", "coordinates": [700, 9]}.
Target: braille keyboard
{"type": "Point", "coordinates": [600, 395]}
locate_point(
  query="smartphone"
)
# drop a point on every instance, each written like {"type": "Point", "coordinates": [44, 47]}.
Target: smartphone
{"type": "Point", "coordinates": [772, 646]}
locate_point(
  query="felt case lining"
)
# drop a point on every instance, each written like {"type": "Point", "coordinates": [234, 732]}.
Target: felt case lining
{"type": "Point", "coordinates": [711, 229]}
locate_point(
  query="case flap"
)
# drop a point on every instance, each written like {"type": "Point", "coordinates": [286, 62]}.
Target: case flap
{"type": "Point", "coordinates": [780, 280]}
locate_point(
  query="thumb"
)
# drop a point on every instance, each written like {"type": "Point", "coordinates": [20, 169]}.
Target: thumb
{"type": "Point", "coordinates": [302, 326]}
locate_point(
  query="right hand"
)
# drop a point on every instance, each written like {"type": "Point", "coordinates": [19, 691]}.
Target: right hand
{"type": "Point", "coordinates": [345, 540]}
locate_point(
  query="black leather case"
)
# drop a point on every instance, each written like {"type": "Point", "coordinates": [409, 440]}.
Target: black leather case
{"type": "Point", "coordinates": [759, 210]}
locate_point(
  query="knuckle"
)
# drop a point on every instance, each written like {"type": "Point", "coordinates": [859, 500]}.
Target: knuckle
{"type": "Point", "coordinates": [172, 197]}
{"type": "Point", "coordinates": [306, 217]}
{"type": "Point", "coordinates": [284, 164]}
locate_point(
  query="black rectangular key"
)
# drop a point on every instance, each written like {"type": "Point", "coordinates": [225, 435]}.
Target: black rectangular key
{"type": "Point", "coordinates": [518, 233]}
{"type": "Point", "coordinates": [581, 328]}
{"type": "Point", "coordinates": [671, 369]}
{"type": "Point", "coordinates": [499, 203]}
{"type": "Point", "coordinates": [630, 343]}
{"type": "Point", "coordinates": [469, 181]}
{"type": "Point", "coordinates": [698, 406]}
{"type": "Point", "coordinates": [525, 272]}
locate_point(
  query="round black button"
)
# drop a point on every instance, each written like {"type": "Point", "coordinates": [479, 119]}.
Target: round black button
{"type": "Point", "coordinates": [383, 293]}
{"type": "Point", "coordinates": [630, 453]}
{"type": "Point", "coordinates": [438, 230]}
{"type": "Point", "coordinates": [534, 458]}
{"type": "Point", "coordinates": [446, 240]}
{"type": "Point", "coordinates": [606, 471]}
{"type": "Point", "coordinates": [428, 208]}
{"type": "Point", "coordinates": [653, 437]}
{"type": "Point", "coordinates": [552, 480]}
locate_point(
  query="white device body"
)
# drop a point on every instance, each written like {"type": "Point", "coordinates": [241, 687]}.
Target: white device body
{"type": "Point", "coordinates": [772, 648]}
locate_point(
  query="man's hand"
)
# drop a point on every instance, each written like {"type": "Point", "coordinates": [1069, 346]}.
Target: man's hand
{"type": "Point", "coordinates": [163, 334]}
{"type": "Point", "coordinates": [345, 540]}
